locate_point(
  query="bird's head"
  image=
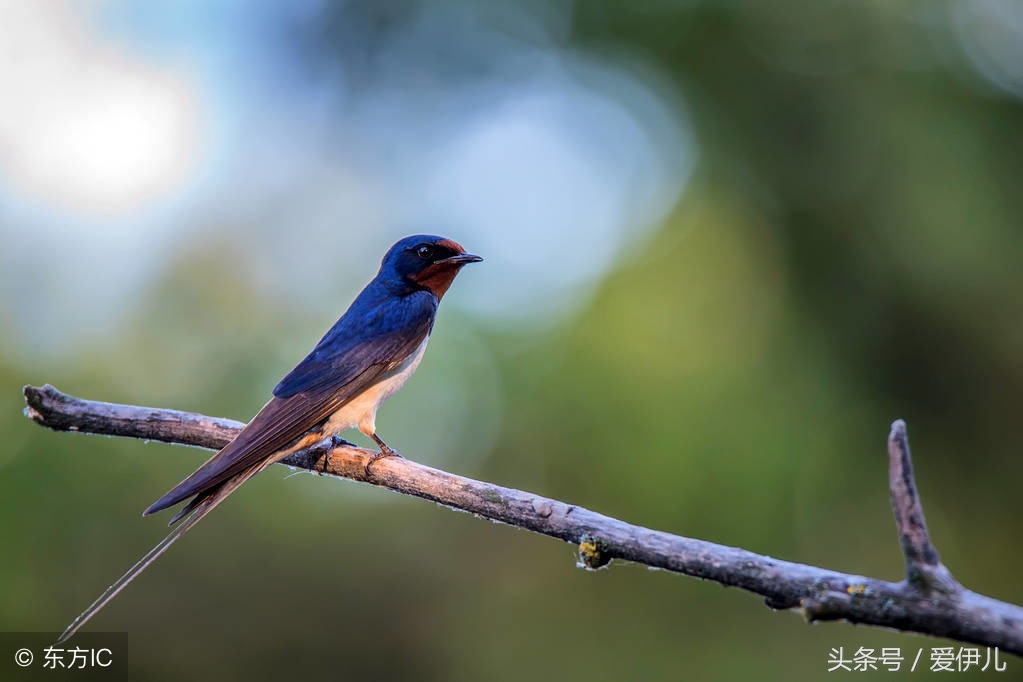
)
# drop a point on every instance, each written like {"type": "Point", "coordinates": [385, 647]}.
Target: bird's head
{"type": "Point", "coordinates": [426, 261]}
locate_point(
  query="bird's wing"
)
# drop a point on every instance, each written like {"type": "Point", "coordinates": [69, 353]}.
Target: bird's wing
{"type": "Point", "coordinates": [350, 358]}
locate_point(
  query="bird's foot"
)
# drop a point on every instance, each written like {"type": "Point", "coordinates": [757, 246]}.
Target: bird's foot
{"type": "Point", "coordinates": [336, 441]}
{"type": "Point", "coordinates": [385, 451]}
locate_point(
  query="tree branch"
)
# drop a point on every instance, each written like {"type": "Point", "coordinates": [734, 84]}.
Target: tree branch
{"type": "Point", "coordinates": [923, 568]}
{"type": "Point", "coordinates": [929, 601]}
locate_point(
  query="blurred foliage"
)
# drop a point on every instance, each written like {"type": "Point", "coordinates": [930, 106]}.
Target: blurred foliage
{"type": "Point", "coordinates": [848, 253]}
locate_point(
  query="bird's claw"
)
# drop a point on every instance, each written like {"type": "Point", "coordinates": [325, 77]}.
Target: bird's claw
{"type": "Point", "coordinates": [385, 451]}
{"type": "Point", "coordinates": [336, 441]}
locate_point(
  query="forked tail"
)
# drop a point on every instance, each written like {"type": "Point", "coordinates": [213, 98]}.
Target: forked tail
{"type": "Point", "coordinates": [196, 510]}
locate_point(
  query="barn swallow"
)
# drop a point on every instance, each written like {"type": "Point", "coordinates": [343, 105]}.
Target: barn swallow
{"type": "Point", "coordinates": [360, 362]}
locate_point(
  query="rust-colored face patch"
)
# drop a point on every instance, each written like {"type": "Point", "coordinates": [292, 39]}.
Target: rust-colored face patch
{"type": "Point", "coordinates": [438, 276]}
{"type": "Point", "coordinates": [453, 245]}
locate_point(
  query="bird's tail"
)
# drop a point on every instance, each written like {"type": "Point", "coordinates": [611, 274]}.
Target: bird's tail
{"type": "Point", "coordinates": [202, 505]}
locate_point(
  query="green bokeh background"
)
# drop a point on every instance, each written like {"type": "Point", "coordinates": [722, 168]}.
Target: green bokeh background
{"type": "Point", "coordinates": [849, 251]}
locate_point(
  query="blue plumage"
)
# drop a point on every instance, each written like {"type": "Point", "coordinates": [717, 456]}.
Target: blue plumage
{"type": "Point", "coordinates": [377, 328]}
{"type": "Point", "coordinates": [366, 356]}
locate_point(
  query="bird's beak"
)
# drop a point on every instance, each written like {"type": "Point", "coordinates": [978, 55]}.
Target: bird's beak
{"type": "Point", "coordinates": [462, 259]}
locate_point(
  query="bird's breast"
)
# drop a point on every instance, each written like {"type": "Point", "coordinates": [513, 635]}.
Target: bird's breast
{"type": "Point", "coordinates": [366, 403]}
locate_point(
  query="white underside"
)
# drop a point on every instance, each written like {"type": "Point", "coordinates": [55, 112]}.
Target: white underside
{"type": "Point", "coordinates": [362, 411]}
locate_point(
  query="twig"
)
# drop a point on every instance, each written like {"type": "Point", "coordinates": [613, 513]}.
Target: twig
{"type": "Point", "coordinates": [923, 567]}
{"type": "Point", "coordinates": [929, 601]}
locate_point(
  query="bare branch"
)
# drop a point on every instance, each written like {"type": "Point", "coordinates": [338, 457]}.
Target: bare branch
{"type": "Point", "coordinates": [923, 567]}
{"type": "Point", "coordinates": [929, 601]}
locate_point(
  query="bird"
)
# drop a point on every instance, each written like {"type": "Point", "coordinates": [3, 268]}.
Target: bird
{"type": "Point", "coordinates": [363, 359]}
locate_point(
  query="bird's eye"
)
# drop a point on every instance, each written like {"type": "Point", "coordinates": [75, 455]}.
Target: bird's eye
{"type": "Point", "coordinates": [425, 251]}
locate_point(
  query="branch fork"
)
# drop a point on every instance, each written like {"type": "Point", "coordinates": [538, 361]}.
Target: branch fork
{"type": "Point", "coordinates": [924, 570]}
{"type": "Point", "coordinates": [928, 601]}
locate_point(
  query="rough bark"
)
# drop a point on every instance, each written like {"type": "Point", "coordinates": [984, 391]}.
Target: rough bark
{"type": "Point", "coordinates": [928, 601]}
